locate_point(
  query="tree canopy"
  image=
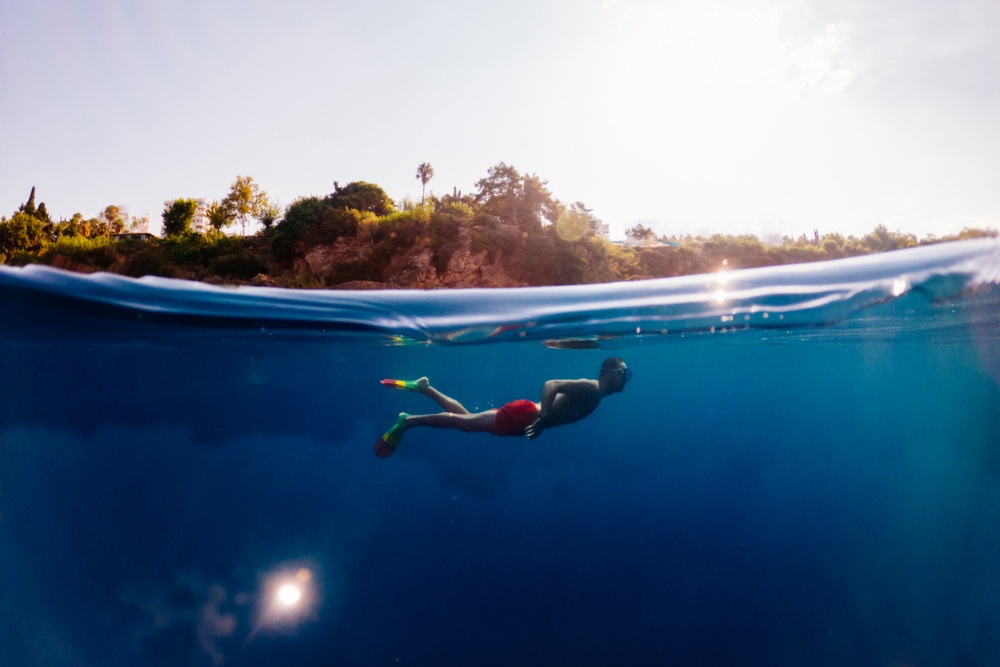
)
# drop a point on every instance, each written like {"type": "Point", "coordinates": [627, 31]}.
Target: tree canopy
{"type": "Point", "coordinates": [361, 196]}
{"type": "Point", "coordinates": [220, 216]}
{"type": "Point", "coordinates": [178, 216]}
{"type": "Point", "coordinates": [524, 201]}
{"type": "Point", "coordinates": [28, 207]}
{"type": "Point", "coordinates": [425, 172]}
{"type": "Point", "coordinates": [245, 200]}
{"type": "Point", "coordinates": [113, 219]}
{"type": "Point", "coordinates": [22, 233]}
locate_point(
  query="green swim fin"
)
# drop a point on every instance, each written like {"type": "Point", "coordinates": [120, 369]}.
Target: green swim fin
{"type": "Point", "coordinates": [387, 444]}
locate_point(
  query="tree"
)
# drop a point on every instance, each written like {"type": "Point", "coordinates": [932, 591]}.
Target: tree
{"type": "Point", "coordinates": [114, 219]}
{"type": "Point", "coordinates": [425, 172]}
{"type": "Point", "coordinates": [362, 197]}
{"type": "Point", "coordinates": [139, 224]}
{"type": "Point", "coordinates": [269, 215]}
{"type": "Point", "coordinates": [245, 200]}
{"type": "Point", "coordinates": [641, 234]}
{"type": "Point", "coordinates": [577, 222]}
{"type": "Point", "coordinates": [522, 201]}
{"type": "Point", "coordinates": [76, 226]}
{"type": "Point", "coordinates": [882, 240]}
{"type": "Point", "coordinates": [88, 228]}
{"type": "Point", "coordinates": [498, 192]}
{"type": "Point", "coordinates": [22, 233]}
{"type": "Point", "coordinates": [300, 216]}
{"type": "Point", "coordinates": [220, 216]}
{"type": "Point", "coordinates": [42, 213]}
{"type": "Point", "coordinates": [29, 206]}
{"type": "Point", "coordinates": [536, 203]}
{"type": "Point", "coordinates": [178, 216]}
{"type": "Point", "coordinates": [71, 227]}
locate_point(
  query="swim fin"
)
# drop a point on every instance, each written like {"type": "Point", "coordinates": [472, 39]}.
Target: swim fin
{"type": "Point", "coordinates": [387, 444]}
{"type": "Point", "coordinates": [409, 385]}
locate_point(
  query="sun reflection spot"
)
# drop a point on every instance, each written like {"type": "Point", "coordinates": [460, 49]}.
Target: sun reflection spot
{"type": "Point", "coordinates": [289, 595]}
{"type": "Point", "coordinates": [720, 296]}
{"type": "Point", "coordinates": [898, 286]}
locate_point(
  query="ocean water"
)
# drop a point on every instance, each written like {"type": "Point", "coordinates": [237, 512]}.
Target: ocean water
{"type": "Point", "coordinates": [805, 470]}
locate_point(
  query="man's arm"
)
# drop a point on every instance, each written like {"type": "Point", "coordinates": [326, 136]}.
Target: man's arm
{"type": "Point", "coordinates": [568, 390]}
{"type": "Point", "coordinates": [549, 391]}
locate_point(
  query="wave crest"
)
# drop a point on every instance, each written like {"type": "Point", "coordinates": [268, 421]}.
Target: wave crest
{"type": "Point", "coordinates": [793, 296]}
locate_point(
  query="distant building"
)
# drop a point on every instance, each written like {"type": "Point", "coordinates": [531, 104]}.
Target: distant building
{"type": "Point", "coordinates": [200, 224]}
{"type": "Point", "coordinates": [134, 236]}
{"type": "Point", "coordinates": [648, 241]}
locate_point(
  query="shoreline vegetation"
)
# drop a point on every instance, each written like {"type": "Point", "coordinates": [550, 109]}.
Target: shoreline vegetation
{"type": "Point", "coordinates": [512, 232]}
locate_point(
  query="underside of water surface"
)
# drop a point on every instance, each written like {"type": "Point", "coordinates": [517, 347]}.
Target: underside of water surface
{"type": "Point", "coordinates": [805, 469]}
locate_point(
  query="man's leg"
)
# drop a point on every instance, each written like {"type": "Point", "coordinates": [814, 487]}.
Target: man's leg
{"type": "Point", "coordinates": [447, 403]}
{"type": "Point", "coordinates": [479, 422]}
{"type": "Point", "coordinates": [455, 416]}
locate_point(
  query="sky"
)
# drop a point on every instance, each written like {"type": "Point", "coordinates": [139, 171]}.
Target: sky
{"type": "Point", "coordinates": [688, 116]}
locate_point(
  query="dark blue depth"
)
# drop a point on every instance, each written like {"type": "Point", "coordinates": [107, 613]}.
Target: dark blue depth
{"type": "Point", "coordinates": [799, 497]}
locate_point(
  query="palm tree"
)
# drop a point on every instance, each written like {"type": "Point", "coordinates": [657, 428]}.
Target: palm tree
{"type": "Point", "coordinates": [425, 172]}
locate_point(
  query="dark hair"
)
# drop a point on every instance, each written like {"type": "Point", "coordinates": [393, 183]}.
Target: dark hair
{"type": "Point", "coordinates": [611, 363]}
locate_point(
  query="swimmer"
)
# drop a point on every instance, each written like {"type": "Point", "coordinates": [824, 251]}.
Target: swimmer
{"type": "Point", "coordinates": [562, 402]}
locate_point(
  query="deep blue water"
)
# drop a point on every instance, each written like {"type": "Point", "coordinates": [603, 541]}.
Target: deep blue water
{"type": "Point", "coordinates": [820, 486]}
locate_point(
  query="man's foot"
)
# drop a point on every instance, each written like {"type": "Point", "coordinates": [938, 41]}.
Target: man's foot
{"type": "Point", "coordinates": [387, 444]}
{"type": "Point", "coordinates": [409, 385]}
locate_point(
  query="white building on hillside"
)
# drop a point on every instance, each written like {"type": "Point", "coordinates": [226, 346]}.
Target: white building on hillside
{"type": "Point", "coordinates": [200, 223]}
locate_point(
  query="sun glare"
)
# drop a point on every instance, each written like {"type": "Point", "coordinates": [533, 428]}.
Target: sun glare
{"type": "Point", "coordinates": [289, 595]}
{"type": "Point", "coordinates": [288, 598]}
{"type": "Point", "coordinates": [684, 96]}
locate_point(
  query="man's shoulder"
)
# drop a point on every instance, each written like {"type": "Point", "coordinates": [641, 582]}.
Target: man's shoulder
{"type": "Point", "coordinates": [578, 385]}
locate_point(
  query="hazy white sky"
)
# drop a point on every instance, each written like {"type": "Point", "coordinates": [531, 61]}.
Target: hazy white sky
{"type": "Point", "coordinates": [689, 116]}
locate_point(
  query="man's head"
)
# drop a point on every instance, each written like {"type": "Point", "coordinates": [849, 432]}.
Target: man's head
{"type": "Point", "coordinates": [614, 375]}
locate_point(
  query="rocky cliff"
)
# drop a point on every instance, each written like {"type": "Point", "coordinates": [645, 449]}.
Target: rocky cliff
{"type": "Point", "coordinates": [413, 269]}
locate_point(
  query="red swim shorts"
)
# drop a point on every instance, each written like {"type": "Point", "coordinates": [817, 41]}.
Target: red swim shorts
{"type": "Point", "coordinates": [514, 417]}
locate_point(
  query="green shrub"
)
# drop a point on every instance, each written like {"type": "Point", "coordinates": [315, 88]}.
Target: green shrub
{"type": "Point", "coordinates": [21, 258]}
{"type": "Point", "coordinates": [99, 252]}
{"type": "Point", "coordinates": [149, 262]}
{"type": "Point", "coordinates": [243, 266]}
{"type": "Point", "coordinates": [444, 234]}
{"type": "Point", "coordinates": [333, 224]}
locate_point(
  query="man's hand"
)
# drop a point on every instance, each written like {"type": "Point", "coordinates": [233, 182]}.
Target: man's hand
{"type": "Point", "coordinates": [535, 429]}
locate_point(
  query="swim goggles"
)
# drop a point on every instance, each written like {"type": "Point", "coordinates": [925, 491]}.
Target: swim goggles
{"type": "Point", "coordinates": [626, 373]}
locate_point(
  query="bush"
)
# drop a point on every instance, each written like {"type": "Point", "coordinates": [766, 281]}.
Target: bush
{"type": "Point", "coordinates": [99, 252]}
{"type": "Point", "coordinates": [332, 225]}
{"type": "Point", "coordinates": [149, 262]}
{"type": "Point", "coordinates": [21, 233]}
{"type": "Point", "coordinates": [669, 262]}
{"type": "Point", "coordinates": [20, 258]}
{"type": "Point", "coordinates": [243, 266]}
{"type": "Point", "coordinates": [496, 239]}
{"type": "Point", "coordinates": [192, 249]}
{"type": "Point", "coordinates": [314, 221]}
{"type": "Point", "coordinates": [445, 235]}
{"type": "Point", "coordinates": [361, 196]}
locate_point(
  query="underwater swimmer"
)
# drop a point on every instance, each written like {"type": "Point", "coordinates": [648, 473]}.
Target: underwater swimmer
{"type": "Point", "coordinates": [562, 402]}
